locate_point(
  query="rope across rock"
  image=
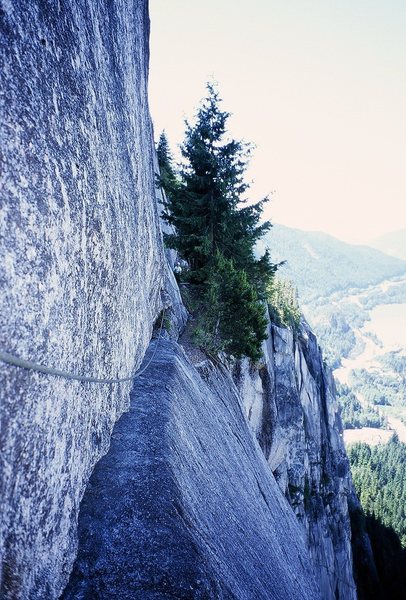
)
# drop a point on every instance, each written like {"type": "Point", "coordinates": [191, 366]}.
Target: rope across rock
{"type": "Point", "coordinates": [15, 361]}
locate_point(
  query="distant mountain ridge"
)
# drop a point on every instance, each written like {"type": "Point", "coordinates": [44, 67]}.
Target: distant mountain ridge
{"type": "Point", "coordinates": [320, 264]}
{"type": "Point", "coordinates": [393, 243]}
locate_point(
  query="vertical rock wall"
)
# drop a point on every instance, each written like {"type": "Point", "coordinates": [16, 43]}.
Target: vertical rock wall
{"type": "Point", "coordinates": [81, 262]}
{"type": "Point", "coordinates": [291, 406]}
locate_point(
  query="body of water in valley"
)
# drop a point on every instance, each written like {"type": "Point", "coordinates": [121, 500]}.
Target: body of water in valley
{"type": "Point", "coordinates": [388, 322]}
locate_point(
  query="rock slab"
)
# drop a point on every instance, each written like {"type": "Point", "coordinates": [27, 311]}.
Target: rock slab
{"type": "Point", "coordinates": [184, 504]}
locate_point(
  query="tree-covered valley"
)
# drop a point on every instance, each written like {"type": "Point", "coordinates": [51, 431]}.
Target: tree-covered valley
{"type": "Point", "coordinates": [379, 475]}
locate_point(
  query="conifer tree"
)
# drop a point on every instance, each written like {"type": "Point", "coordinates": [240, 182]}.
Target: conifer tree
{"type": "Point", "coordinates": [283, 303]}
{"type": "Point", "coordinates": [167, 178]}
{"type": "Point", "coordinates": [216, 231]}
{"type": "Point", "coordinates": [233, 319]}
{"type": "Point", "coordinates": [208, 207]}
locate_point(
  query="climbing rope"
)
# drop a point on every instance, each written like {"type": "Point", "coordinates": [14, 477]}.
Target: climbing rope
{"type": "Point", "coordinates": [32, 366]}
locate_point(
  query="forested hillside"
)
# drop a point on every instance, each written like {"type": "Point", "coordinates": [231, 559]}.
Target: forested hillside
{"type": "Point", "coordinates": [320, 264]}
{"type": "Point", "coordinates": [379, 475]}
{"type": "Point", "coordinates": [355, 415]}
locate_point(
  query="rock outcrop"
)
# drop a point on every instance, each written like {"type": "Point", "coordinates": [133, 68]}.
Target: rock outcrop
{"type": "Point", "coordinates": [291, 406]}
{"type": "Point", "coordinates": [200, 491]}
{"type": "Point", "coordinates": [184, 504]}
{"type": "Point", "coordinates": [81, 262]}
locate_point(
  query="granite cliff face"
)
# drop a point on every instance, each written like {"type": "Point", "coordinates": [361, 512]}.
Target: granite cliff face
{"type": "Point", "coordinates": [81, 262]}
{"type": "Point", "coordinates": [291, 407]}
{"type": "Point", "coordinates": [184, 504]}
{"type": "Point", "coordinates": [191, 500]}
{"type": "Point", "coordinates": [200, 506]}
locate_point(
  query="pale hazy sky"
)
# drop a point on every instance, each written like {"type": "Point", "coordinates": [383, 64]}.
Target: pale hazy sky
{"type": "Point", "coordinates": [318, 85]}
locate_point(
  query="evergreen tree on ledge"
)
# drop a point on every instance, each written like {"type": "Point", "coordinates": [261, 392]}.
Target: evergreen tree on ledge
{"type": "Point", "coordinates": [216, 231]}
